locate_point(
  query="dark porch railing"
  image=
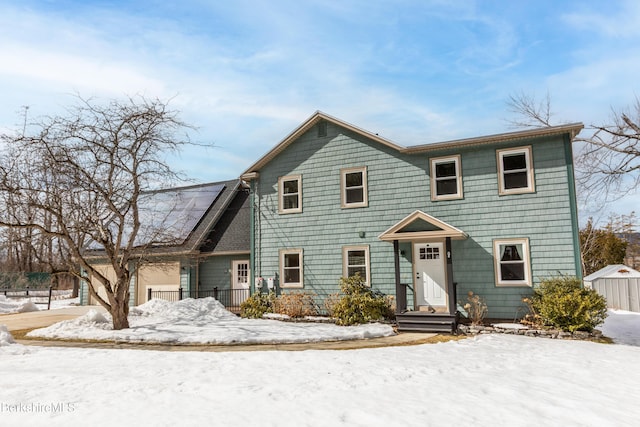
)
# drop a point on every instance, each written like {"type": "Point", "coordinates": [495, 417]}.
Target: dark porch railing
{"type": "Point", "coordinates": [229, 298]}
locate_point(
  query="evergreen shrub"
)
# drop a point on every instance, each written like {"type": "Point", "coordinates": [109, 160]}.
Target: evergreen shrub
{"type": "Point", "coordinates": [563, 303]}
{"type": "Point", "coordinates": [359, 304]}
{"type": "Point", "coordinates": [257, 305]}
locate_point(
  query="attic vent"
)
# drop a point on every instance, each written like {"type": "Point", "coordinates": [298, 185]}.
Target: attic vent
{"type": "Point", "coordinates": [322, 128]}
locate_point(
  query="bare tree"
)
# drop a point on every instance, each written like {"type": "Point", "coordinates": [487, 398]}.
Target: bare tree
{"type": "Point", "coordinates": [528, 111]}
{"type": "Point", "coordinates": [608, 156]}
{"type": "Point", "coordinates": [78, 183]}
{"type": "Point", "coordinates": [612, 155]}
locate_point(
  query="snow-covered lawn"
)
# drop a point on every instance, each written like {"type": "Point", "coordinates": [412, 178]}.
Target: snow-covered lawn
{"type": "Point", "coordinates": [489, 380]}
{"type": "Point", "coordinates": [60, 299]}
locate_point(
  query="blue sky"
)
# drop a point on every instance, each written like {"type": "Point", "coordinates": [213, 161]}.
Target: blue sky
{"type": "Point", "coordinates": [247, 72]}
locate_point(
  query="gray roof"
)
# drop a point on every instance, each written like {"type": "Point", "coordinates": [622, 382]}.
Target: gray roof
{"type": "Point", "coordinates": [610, 271]}
{"type": "Point", "coordinates": [231, 232]}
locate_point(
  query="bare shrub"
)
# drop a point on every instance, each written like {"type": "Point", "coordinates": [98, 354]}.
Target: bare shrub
{"type": "Point", "coordinates": [296, 304]}
{"type": "Point", "coordinates": [476, 308]}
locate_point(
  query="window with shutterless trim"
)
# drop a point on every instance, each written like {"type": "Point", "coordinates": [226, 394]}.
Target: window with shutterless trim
{"type": "Point", "coordinates": [355, 259]}
{"type": "Point", "coordinates": [515, 171]}
{"type": "Point", "coordinates": [291, 268]}
{"type": "Point", "coordinates": [353, 187]}
{"type": "Point", "coordinates": [290, 194]}
{"type": "Point", "coordinates": [446, 178]}
{"type": "Point", "coordinates": [512, 262]}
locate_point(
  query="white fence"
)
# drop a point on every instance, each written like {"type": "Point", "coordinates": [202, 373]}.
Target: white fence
{"type": "Point", "coordinates": [622, 294]}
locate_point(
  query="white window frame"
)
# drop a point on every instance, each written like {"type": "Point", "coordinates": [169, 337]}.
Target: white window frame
{"type": "Point", "coordinates": [345, 261]}
{"type": "Point", "coordinates": [434, 179]}
{"type": "Point", "coordinates": [281, 194]}
{"type": "Point", "coordinates": [526, 260]}
{"type": "Point", "coordinates": [528, 155]}
{"type": "Point", "coordinates": [343, 187]}
{"type": "Point", "coordinates": [283, 253]}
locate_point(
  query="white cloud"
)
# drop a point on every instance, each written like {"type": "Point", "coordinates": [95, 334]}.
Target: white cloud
{"type": "Point", "coordinates": [82, 73]}
{"type": "Point", "coordinates": [608, 20]}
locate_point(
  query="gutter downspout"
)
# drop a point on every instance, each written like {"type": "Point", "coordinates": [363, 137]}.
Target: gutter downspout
{"type": "Point", "coordinates": [252, 238]}
{"type": "Point", "coordinates": [573, 205]}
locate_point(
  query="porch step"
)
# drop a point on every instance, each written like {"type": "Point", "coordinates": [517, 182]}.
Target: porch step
{"type": "Point", "coordinates": [415, 321]}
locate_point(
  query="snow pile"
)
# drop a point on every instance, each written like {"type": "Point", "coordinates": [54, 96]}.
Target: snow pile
{"type": "Point", "coordinates": [5, 336]}
{"type": "Point", "coordinates": [509, 326]}
{"type": "Point", "coordinates": [91, 318]}
{"type": "Point", "coordinates": [194, 310]}
{"type": "Point", "coordinates": [622, 326]}
{"type": "Point", "coordinates": [203, 321]}
{"type": "Point", "coordinates": [11, 306]}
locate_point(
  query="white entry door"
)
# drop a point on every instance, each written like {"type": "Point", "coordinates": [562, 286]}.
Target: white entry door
{"type": "Point", "coordinates": [240, 281]}
{"type": "Point", "coordinates": [430, 277]}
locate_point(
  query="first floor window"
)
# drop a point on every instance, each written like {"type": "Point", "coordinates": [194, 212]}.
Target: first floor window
{"type": "Point", "coordinates": [291, 274]}
{"type": "Point", "coordinates": [355, 259]}
{"type": "Point", "coordinates": [515, 171]}
{"type": "Point", "coordinates": [446, 180]}
{"type": "Point", "coordinates": [290, 194]}
{"type": "Point", "coordinates": [512, 263]}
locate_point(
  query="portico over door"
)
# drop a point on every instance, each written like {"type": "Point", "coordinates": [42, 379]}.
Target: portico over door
{"type": "Point", "coordinates": [432, 266]}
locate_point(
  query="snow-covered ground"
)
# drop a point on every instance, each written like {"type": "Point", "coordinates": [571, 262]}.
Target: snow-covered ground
{"type": "Point", "coordinates": [489, 380]}
{"type": "Point", "coordinates": [202, 321]}
{"type": "Point", "coordinates": [60, 299]}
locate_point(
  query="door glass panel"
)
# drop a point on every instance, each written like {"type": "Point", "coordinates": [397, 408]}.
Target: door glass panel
{"type": "Point", "coordinates": [242, 273]}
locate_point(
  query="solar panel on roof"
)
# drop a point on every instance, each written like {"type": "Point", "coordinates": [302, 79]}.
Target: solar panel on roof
{"type": "Point", "coordinates": [169, 216]}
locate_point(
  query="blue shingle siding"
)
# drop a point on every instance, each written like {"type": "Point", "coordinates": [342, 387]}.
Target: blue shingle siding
{"type": "Point", "coordinates": [215, 272]}
{"type": "Point", "coordinates": [398, 184]}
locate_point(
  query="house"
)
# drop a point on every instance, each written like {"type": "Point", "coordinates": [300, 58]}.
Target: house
{"type": "Point", "coordinates": [209, 250]}
{"type": "Point", "coordinates": [619, 284]}
{"type": "Point", "coordinates": [426, 223]}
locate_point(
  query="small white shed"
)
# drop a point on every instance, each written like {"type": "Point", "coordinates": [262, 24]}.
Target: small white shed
{"type": "Point", "coordinates": [619, 284]}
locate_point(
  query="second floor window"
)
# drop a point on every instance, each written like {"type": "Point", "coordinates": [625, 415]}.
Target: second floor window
{"type": "Point", "coordinates": [290, 194]}
{"type": "Point", "coordinates": [353, 187]}
{"type": "Point", "coordinates": [446, 179]}
{"type": "Point", "coordinates": [515, 171]}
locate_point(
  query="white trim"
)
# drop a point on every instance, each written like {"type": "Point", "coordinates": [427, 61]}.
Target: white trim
{"type": "Point", "coordinates": [345, 261]}
{"type": "Point", "coordinates": [526, 260]}
{"type": "Point", "coordinates": [445, 230]}
{"type": "Point", "coordinates": [571, 129]}
{"type": "Point", "coordinates": [343, 187]}
{"type": "Point", "coordinates": [283, 253]}
{"type": "Point", "coordinates": [234, 272]}
{"type": "Point", "coordinates": [281, 194]}
{"type": "Point", "coordinates": [434, 179]}
{"type": "Point", "coordinates": [528, 155]}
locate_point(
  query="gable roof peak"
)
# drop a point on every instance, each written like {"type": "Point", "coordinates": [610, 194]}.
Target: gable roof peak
{"type": "Point", "coordinates": [316, 117]}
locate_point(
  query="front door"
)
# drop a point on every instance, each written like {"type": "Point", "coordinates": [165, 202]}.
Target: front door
{"type": "Point", "coordinates": [430, 277]}
{"type": "Point", "coordinates": [240, 282]}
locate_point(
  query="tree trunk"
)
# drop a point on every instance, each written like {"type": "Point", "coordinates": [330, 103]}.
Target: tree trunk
{"type": "Point", "coordinates": [119, 301]}
{"type": "Point", "coordinates": [120, 313]}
